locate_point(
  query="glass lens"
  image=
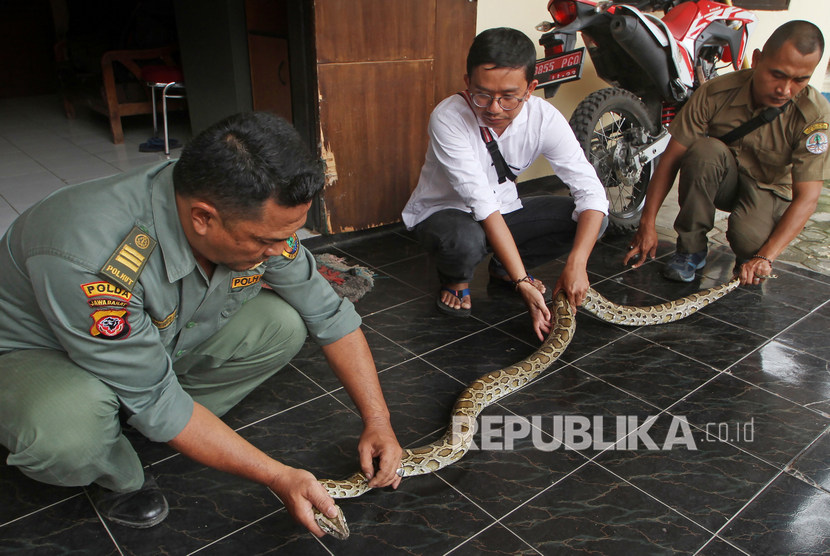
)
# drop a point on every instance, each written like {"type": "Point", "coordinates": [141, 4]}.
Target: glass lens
{"type": "Point", "coordinates": [507, 103]}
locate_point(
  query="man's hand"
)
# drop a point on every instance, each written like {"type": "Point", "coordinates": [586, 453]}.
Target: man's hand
{"type": "Point", "coordinates": [378, 443]}
{"type": "Point", "coordinates": [531, 293]}
{"type": "Point", "coordinates": [301, 493]}
{"type": "Point", "coordinates": [755, 271]}
{"type": "Point", "coordinates": [642, 245]}
{"type": "Point", "coordinates": [574, 282]}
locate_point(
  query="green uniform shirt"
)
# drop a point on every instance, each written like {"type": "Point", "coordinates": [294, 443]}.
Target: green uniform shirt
{"type": "Point", "coordinates": [54, 295]}
{"type": "Point", "coordinates": [790, 149]}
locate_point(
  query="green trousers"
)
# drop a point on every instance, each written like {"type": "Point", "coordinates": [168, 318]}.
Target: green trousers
{"type": "Point", "coordinates": [709, 180]}
{"type": "Point", "coordinates": [61, 424]}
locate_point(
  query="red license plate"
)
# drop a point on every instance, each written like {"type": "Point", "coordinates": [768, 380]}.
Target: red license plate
{"type": "Point", "coordinates": [560, 68]}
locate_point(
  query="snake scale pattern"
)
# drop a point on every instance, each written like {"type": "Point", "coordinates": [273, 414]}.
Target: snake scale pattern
{"type": "Point", "coordinates": [495, 385]}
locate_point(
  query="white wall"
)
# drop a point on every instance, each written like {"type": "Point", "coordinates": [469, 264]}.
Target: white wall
{"type": "Point", "coordinates": [525, 14]}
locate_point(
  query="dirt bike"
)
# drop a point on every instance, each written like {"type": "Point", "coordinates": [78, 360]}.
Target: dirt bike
{"type": "Point", "coordinates": [653, 64]}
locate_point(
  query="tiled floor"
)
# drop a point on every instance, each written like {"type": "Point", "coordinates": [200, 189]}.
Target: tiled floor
{"type": "Point", "coordinates": [742, 389]}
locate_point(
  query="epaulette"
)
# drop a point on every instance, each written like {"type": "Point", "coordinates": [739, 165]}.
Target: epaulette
{"type": "Point", "coordinates": [126, 263]}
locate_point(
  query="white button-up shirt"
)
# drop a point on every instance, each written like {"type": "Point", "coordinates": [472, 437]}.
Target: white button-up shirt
{"type": "Point", "coordinates": [458, 172]}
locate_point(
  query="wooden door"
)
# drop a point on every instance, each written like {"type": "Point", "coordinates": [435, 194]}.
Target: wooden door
{"type": "Point", "coordinates": [381, 67]}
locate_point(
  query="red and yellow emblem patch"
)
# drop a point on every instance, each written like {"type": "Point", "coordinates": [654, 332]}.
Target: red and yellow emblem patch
{"type": "Point", "coordinates": [110, 324]}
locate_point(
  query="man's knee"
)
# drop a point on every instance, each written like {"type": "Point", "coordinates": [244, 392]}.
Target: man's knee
{"type": "Point", "coordinates": [59, 428]}
{"type": "Point", "coordinates": [745, 237]}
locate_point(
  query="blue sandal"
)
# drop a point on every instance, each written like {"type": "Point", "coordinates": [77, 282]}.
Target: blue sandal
{"type": "Point", "coordinates": [446, 309]}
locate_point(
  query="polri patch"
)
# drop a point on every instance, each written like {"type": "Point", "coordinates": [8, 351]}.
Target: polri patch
{"type": "Point", "coordinates": [815, 127]}
{"type": "Point", "coordinates": [126, 263]}
{"type": "Point", "coordinates": [245, 281]}
{"type": "Point", "coordinates": [292, 247]}
{"type": "Point", "coordinates": [110, 324]}
{"type": "Point", "coordinates": [817, 143]}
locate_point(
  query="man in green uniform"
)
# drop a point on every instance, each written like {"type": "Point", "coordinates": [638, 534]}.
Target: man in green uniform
{"type": "Point", "coordinates": [141, 295]}
{"type": "Point", "coordinates": [769, 179]}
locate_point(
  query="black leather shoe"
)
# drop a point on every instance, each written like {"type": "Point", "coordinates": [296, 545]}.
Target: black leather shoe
{"type": "Point", "coordinates": [142, 508]}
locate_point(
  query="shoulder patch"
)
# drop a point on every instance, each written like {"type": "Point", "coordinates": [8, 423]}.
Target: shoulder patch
{"type": "Point", "coordinates": [110, 324]}
{"type": "Point", "coordinates": [815, 127]}
{"type": "Point", "coordinates": [126, 263]}
{"type": "Point", "coordinates": [292, 247]}
{"type": "Point", "coordinates": [817, 143]}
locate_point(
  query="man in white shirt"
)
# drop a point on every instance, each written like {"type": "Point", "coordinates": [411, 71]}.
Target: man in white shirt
{"type": "Point", "coordinates": [466, 204]}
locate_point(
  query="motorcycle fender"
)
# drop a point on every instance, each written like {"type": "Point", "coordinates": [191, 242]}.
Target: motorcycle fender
{"type": "Point", "coordinates": [664, 38]}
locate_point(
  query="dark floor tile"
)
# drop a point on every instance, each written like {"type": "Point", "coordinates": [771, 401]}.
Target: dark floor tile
{"type": "Point", "coordinates": [704, 339]}
{"type": "Point", "coordinates": [505, 469]}
{"type": "Point", "coordinates": [311, 361]}
{"type": "Point", "coordinates": [494, 541]}
{"type": "Point", "coordinates": [704, 479]}
{"type": "Point", "coordinates": [795, 375]}
{"type": "Point", "coordinates": [809, 335]}
{"type": "Point", "coordinates": [577, 409]}
{"type": "Point", "coordinates": [606, 260]}
{"type": "Point", "coordinates": [792, 289]}
{"type": "Point", "coordinates": [483, 352]}
{"type": "Point", "coordinates": [417, 272]}
{"type": "Point", "coordinates": [68, 527]}
{"type": "Point", "coordinates": [646, 370]}
{"type": "Point", "coordinates": [418, 326]}
{"type": "Point", "coordinates": [22, 495]}
{"type": "Point", "coordinates": [382, 249]}
{"type": "Point", "coordinates": [205, 505]}
{"type": "Point", "coordinates": [719, 547]}
{"type": "Point", "coordinates": [420, 399]}
{"type": "Point", "coordinates": [751, 311]}
{"type": "Point", "coordinates": [761, 423]}
{"type": "Point", "coordinates": [592, 511]}
{"type": "Point", "coordinates": [387, 292]}
{"type": "Point", "coordinates": [424, 516]}
{"type": "Point", "coordinates": [814, 463]}
{"type": "Point", "coordinates": [285, 389]}
{"type": "Point", "coordinates": [274, 534]}
{"type": "Point", "coordinates": [789, 517]}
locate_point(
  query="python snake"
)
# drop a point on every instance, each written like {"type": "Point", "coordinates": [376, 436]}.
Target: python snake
{"type": "Point", "coordinates": [495, 385]}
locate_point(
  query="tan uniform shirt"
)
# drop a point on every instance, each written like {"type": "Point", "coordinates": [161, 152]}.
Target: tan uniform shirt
{"type": "Point", "coordinates": [790, 149]}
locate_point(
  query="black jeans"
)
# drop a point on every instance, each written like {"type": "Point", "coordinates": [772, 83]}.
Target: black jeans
{"type": "Point", "coordinates": [543, 229]}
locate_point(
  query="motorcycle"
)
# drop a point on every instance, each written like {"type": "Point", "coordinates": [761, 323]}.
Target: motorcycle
{"type": "Point", "coordinates": [653, 64]}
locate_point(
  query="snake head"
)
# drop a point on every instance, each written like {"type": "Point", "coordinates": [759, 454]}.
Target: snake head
{"type": "Point", "coordinates": [336, 526]}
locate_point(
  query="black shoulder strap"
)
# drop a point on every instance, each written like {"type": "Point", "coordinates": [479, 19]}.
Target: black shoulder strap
{"type": "Point", "coordinates": [765, 117]}
{"type": "Point", "coordinates": [502, 169]}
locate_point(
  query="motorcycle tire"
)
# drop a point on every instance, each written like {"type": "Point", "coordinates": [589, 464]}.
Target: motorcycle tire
{"type": "Point", "coordinates": [604, 123]}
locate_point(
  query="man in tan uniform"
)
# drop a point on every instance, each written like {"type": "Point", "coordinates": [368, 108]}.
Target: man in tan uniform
{"type": "Point", "coordinates": [769, 179]}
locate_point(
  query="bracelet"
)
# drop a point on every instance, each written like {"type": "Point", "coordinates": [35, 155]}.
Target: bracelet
{"type": "Point", "coordinates": [756, 256]}
{"type": "Point", "coordinates": [529, 279]}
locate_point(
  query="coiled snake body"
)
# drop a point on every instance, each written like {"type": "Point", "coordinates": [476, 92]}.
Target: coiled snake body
{"type": "Point", "coordinates": [495, 385]}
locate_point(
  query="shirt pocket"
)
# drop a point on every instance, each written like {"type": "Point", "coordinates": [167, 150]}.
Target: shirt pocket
{"type": "Point", "coordinates": [773, 165]}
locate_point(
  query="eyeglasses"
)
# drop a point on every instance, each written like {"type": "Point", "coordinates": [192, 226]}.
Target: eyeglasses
{"type": "Point", "coordinates": [507, 103]}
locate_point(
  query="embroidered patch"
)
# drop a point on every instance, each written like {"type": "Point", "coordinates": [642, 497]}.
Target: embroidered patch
{"type": "Point", "coordinates": [110, 324]}
{"type": "Point", "coordinates": [166, 321]}
{"type": "Point", "coordinates": [105, 289]}
{"type": "Point", "coordinates": [817, 143]}
{"type": "Point", "coordinates": [245, 281]}
{"type": "Point", "coordinates": [815, 127]}
{"type": "Point", "coordinates": [127, 262]}
{"type": "Point", "coordinates": [292, 247]}
{"type": "Point", "coordinates": [104, 302]}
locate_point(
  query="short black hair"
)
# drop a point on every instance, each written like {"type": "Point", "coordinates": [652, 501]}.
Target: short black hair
{"type": "Point", "coordinates": [503, 47]}
{"type": "Point", "coordinates": [241, 161]}
{"type": "Point", "coordinates": [806, 37]}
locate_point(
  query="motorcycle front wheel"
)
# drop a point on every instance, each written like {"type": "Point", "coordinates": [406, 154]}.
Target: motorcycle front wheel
{"type": "Point", "coordinates": [608, 124]}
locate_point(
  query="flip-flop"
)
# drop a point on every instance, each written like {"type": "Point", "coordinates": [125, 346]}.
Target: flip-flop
{"type": "Point", "coordinates": [446, 309]}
